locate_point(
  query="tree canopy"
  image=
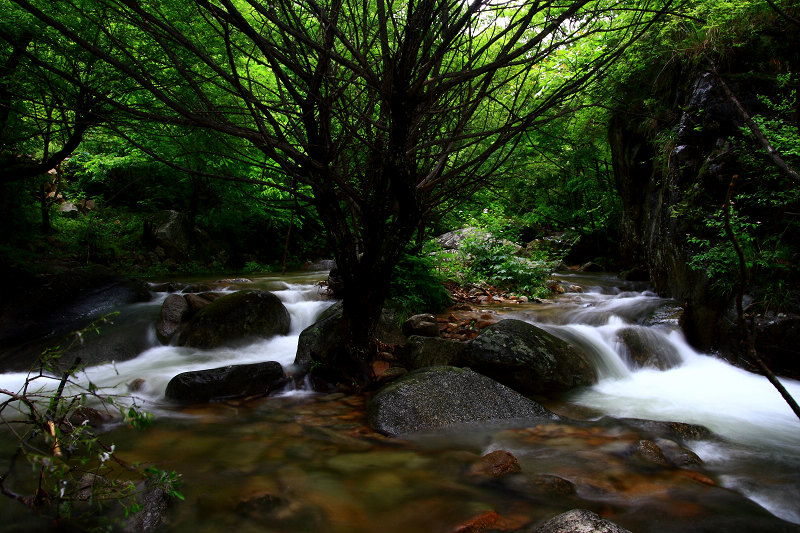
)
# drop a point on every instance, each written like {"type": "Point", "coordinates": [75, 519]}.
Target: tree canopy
{"type": "Point", "coordinates": [375, 112]}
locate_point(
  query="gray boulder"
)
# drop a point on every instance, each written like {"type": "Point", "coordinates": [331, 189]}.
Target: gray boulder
{"type": "Point", "coordinates": [174, 236]}
{"type": "Point", "coordinates": [173, 311]}
{"type": "Point", "coordinates": [234, 381]}
{"type": "Point", "coordinates": [579, 521]}
{"type": "Point", "coordinates": [452, 239]}
{"type": "Point", "coordinates": [646, 348]}
{"type": "Point", "coordinates": [528, 359]}
{"type": "Point", "coordinates": [432, 351]}
{"type": "Point", "coordinates": [236, 316]}
{"type": "Point", "coordinates": [424, 325]}
{"type": "Point", "coordinates": [436, 397]}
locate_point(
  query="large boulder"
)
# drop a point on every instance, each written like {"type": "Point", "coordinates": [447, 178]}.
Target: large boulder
{"type": "Point", "coordinates": [579, 521]}
{"type": "Point", "coordinates": [436, 397]}
{"type": "Point", "coordinates": [646, 348]}
{"type": "Point", "coordinates": [320, 347]}
{"type": "Point", "coordinates": [432, 351]}
{"type": "Point", "coordinates": [236, 316]}
{"type": "Point", "coordinates": [37, 312]}
{"type": "Point", "coordinates": [452, 240]}
{"type": "Point", "coordinates": [528, 359]}
{"type": "Point", "coordinates": [234, 381]}
{"type": "Point", "coordinates": [174, 235]}
{"type": "Point", "coordinates": [319, 339]}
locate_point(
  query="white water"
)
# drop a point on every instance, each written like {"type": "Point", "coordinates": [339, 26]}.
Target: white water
{"type": "Point", "coordinates": [154, 367]}
{"type": "Point", "coordinates": [760, 433]}
{"type": "Point", "coordinates": [759, 454]}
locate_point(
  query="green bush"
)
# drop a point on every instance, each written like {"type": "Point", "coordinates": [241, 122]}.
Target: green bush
{"type": "Point", "coordinates": [416, 288]}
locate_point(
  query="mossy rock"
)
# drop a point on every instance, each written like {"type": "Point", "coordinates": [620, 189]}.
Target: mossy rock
{"type": "Point", "coordinates": [234, 317]}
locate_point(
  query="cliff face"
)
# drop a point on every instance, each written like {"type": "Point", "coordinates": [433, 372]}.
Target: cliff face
{"type": "Point", "coordinates": [674, 158]}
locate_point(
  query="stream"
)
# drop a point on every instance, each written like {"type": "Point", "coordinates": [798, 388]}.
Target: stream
{"type": "Point", "coordinates": [302, 461]}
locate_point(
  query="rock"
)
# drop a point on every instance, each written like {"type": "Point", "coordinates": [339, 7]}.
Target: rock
{"type": "Point", "coordinates": [528, 359]}
{"type": "Point", "coordinates": [436, 397]}
{"type": "Point", "coordinates": [173, 236]}
{"type": "Point", "coordinates": [335, 283]}
{"type": "Point", "coordinates": [452, 240]}
{"type": "Point", "coordinates": [591, 267]}
{"type": "Point", "coordinates": [325, 264]}
{"type": "Point", "coordinates": [233, 381]}
{"type": "Point", "coordinates": [236, 316]}
{"type": "Point", "coordinates": [197, 302]}
{"type": "Point", "coordinates": [550, 484]}
{"type": "Point", "coordinates": [432, 351]}
{"type": "Point", "coordinates": [68, 210]}
{"type": "Point", "coordinates": [319, 347]}
{"type": "Point", "coordinates": [489, 522]}
{"type": "Point", "coordinates": [578, 521]}
{"type": "Point", "coordinates": [678, 430]}
{"type": "Point", "coordinates": [154, 503]}
{"type": "Point", "coordinates": [677, 454]}
{"type": "Point", "coordinates": [173, 310]}
{"type": "Point", "coordinates": [37, 312]}
{"type": "Point", "coordinates": [650, 452]}
{"type": "Point", "coordinates": [319, 340]}
{"type": "Point", "coordinates": [496, 464]}
{"type": "Point", "coordinates": [646, 348]}
{"type": "Point", "coordinates": [424, 325]}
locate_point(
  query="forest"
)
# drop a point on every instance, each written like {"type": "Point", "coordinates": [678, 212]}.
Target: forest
{"type": "Point", "coordinates": [422, 164]}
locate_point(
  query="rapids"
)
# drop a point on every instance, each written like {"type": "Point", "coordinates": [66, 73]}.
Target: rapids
{"type": "Point", "coordinates": [331, 473]}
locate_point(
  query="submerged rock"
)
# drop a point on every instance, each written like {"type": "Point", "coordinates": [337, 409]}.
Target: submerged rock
{"type": "Point", "coordinates": [435, 397]}
{"type": "Point", "coordinates": [528, 359]}
{"type": "Point", "coordinates": [496, 464]}
{"type": "Point", "coordinates": [233, 381]}
{"type": "Point", "coordinates": [236, 316]}
{"type": "Point", "coordinates": [579, 521]}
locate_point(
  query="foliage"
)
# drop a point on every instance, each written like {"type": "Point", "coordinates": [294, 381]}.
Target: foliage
{"type": "Point", "coordinates": [497, 262]}
{"type": "Point", "coordinates": [762, 211]}
{"type": "Point", "coordinates": [73, 476]}
{"type": "Point", "coordinates": [416, 287]}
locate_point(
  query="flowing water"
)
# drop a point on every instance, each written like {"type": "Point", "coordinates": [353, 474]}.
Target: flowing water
{"type": "Point", "coordinates": [301, 461]}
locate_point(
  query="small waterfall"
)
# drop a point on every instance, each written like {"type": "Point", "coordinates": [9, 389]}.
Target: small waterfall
{"type": "Point", "coordinates": [151, 370]}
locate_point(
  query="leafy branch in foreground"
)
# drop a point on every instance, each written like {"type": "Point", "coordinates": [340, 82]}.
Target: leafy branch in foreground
{"type": "Point", "coordinates": [72, 475]}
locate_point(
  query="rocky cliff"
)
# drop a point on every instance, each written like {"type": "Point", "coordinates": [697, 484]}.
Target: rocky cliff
{"type": "Point", "coordinates": [676, 147]}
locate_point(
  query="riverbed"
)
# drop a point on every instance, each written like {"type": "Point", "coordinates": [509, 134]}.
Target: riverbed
{"type": "Point", "coordinates": [302, 461]}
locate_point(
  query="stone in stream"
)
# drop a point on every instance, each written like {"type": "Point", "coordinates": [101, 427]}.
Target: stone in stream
{"type": "Point", "coordinates": [528, 359]}
{"type": "Point", "coordinates": [233, 381]}
{"type": "Point", "coordinates": [171, 316]}
{"type": "Point", "coordinates": [495, 465]}
{"type": "Point", "coordinates": [319, 348]}
{"type": "Point", "coordinates": [436, 397]}
{"type": "Point", "coordinates": [645, 348]}
{"type": "Point", "coordinates": [236, 316]}
{"type": "Point", "coordinates": [424, 325]}
{"type": "Point", "coordinates": [578, 521]}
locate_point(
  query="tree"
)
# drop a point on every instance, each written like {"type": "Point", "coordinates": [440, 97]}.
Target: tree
{"type": "Point", "coordinates": [382, 108]}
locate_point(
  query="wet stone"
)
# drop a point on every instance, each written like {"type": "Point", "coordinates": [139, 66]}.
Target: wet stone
{"type": "Point", "coordinates": [496, 464]}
